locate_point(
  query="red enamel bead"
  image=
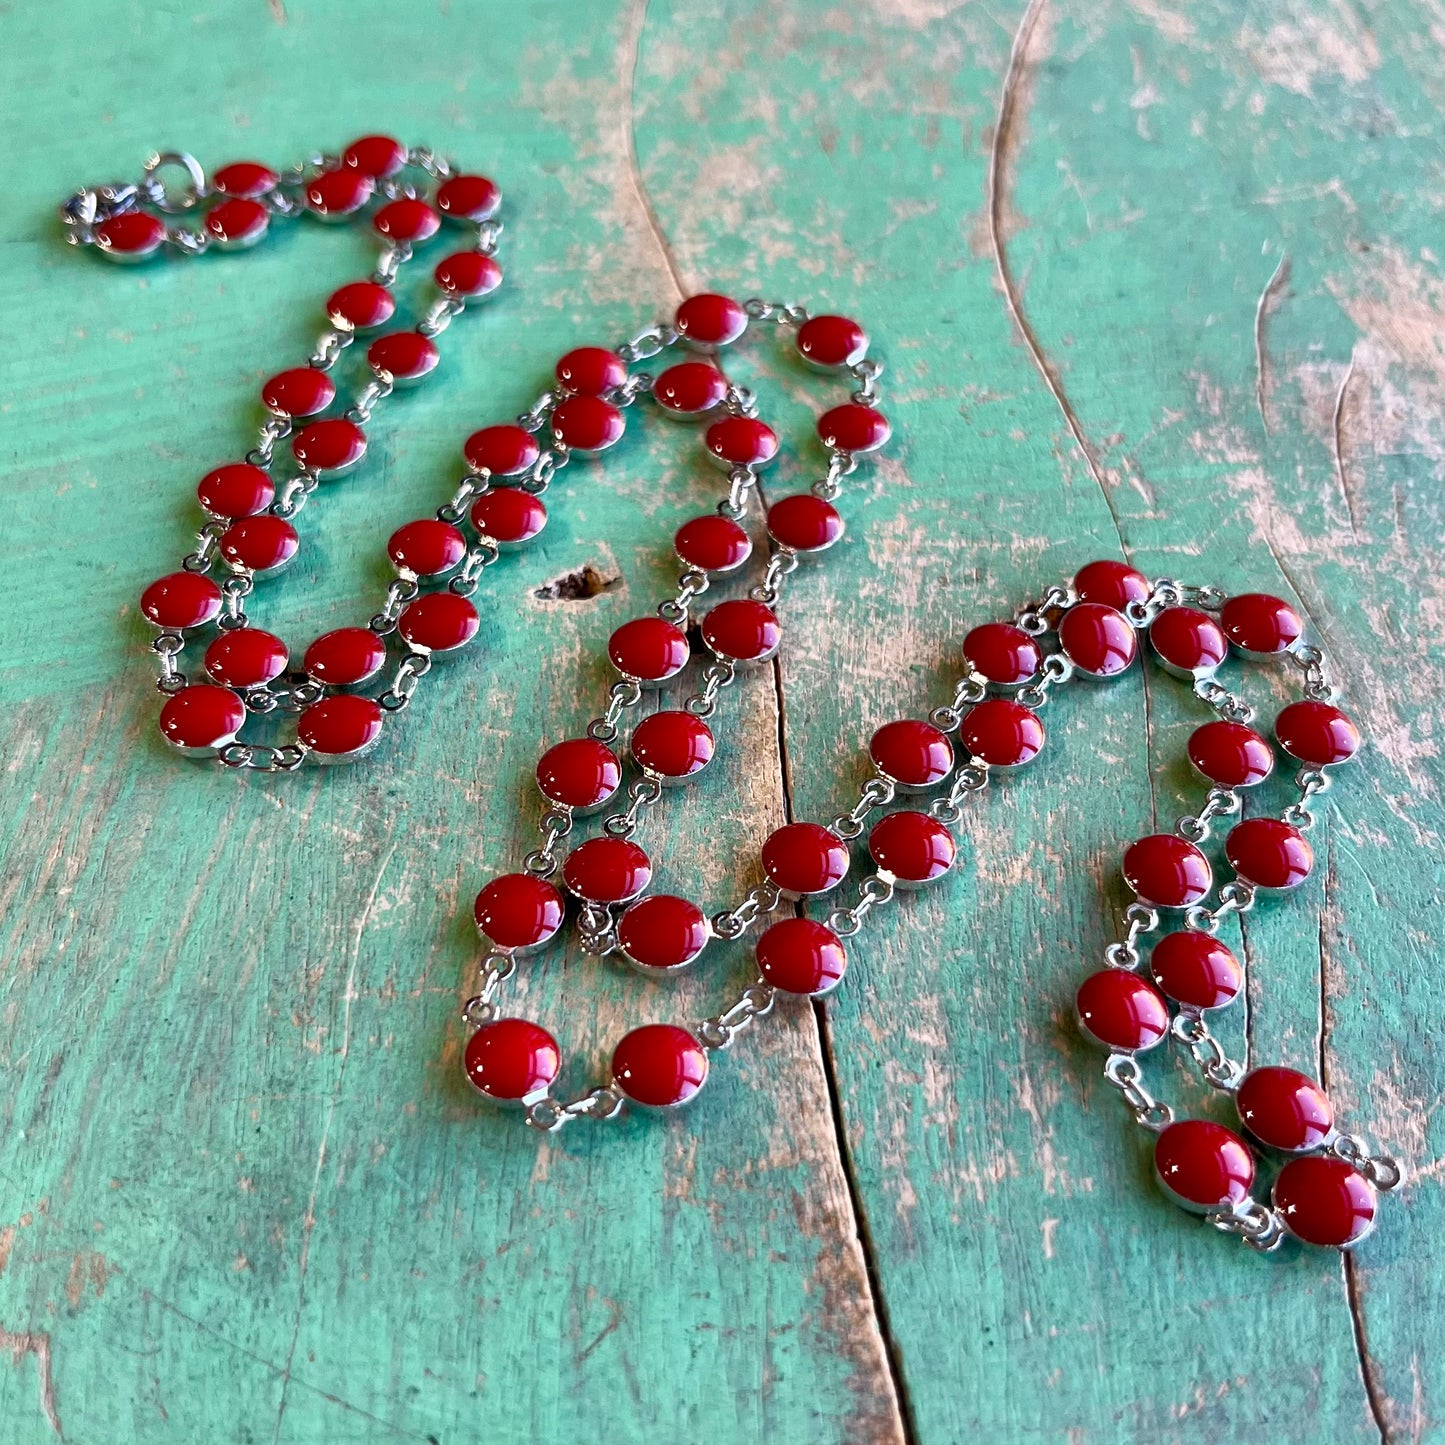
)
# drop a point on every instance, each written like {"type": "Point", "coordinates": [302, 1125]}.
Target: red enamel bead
{"type": "Point", "coordinates": [1121, 1011]}
{"type": "Point", "coordinates": [914, 847]}
{"type": "Point", "coordinates": [518, 910]}
{"type": "Point", "coordinates": [377, 156]}
{"type": "Point", "coordinates": [672, 745]}
{"type": "Point", "coordinates": [1260, 625]}
{"type": "Point", "coordinates": [246, 180]}
{"type": "Point", "coordinates": [334, 195]}
{"type": "Point", "coordinates": [468, 198]}
{"type": "Point", "coordinates": [259, 544]}
{"type": "Point", "coordinates": [509, 516]}
{"type": "Point", "coordinates": [1112, 584]}
{"type": "Point", "coordinates": [236, 490]}
{"type": "Point", "coordinates": [512, 1060]}
{"type": "Point", "coordinates": [662, 932]}
{"type": "Point", "coordinates": [234, 225]}
{"type": "Point", "coordinates": [406, 220]}
{"type": "Point", "coordinates": [911, 754]}
{"type": "Point", "coordinates": [742, 630]}
{"type": "Point", "coordinates": [1166, 871]}
{"type": "Point", "coordinates": [801, 956]}
{"type": "Point", "coordinates": [804, 523]}
{"type": "Point", "coordinates": [344, 726]}
{"type": "Point", "coordinates": [333, 445]}
{"type": "Point", "coordinates": [659, 1066]}
{"type": "Point", "coordinates": [741, 441]}
{"type": "Point", "coordinates": [1285, 1109]}
{"type": "Point", "coordinates": [1269, 853]}
{"type": "Point", "coordinates": [709, 320]}
{"type": "Point", "coordinates": [468, 274]}
{"type": "Point", "coordinates": [853, 427]}
{"type": "Point", "coordinates": [246, 657]}
{"type": "Point", "coordinates": [1317, 734]}
{"type": "Point", "coordinates": [360, 306]}
{"type": "Point", "coordinates": [1187, 641]}
{"type": "Point", "coordinates": [712, 544]}
{"type": "Point", "coordinates": [1002, 654]}
{"type": "Point", "coordinates": [427, 547]}
{"type": "Point", "coordinates": [345, 657]}
{"type": "Point", "coordinates": [131, 236]}
{"type": "Point", "coordinates": [1097, 639]}
{"type": "Point", "coordinates": [302, 391]}
{"type": "Point", "coordinates": [1202, 1165]}
{"type": "Point", "coordinates": [805, 858]}
{"type": "Point", "coordinates": [1194, 969]}
{"type": "Point", "coordinates": [180, 601]}
{"type": "Point", "coordinates": [1230, 754]}
{"type": "Point", "coordinates": [587, 424]}
{"type": "Point", "coordinates": [403, 355]}
{"type": "Point", "coordinates": [1003, 733]}
{"type": "Point", "coordinates": [579, 773]}
{"type": "Point", "coordinates": [690, 388]}
{"type": "Point", "coordinates": [438, 622]}
{"type": "Point", "coordinates": [607, 870]}
{"type": "Point", "coordinates": [648, 649]}
{"type": "Point", "coordinates": [832, 341]}
{"type": "Point", "coordinates": [504, 451]}
{"type": "Point", "coordinates": [591, 370]}
{"type": "Point", "coordinates": [200, 720]}
{"type": "Point", "coordinates": [1324, 1201]}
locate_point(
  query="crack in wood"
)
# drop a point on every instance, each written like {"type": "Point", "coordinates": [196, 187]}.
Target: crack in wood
{"type": "Point", "coordinates": [1337, 438]}
{"type": "Point", "coordinates": [1281, 274]}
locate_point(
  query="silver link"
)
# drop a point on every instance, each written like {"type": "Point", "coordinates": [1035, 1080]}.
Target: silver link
{"type": "Point", "coordinates": [1036, 618]}
{"type": "Point", "coordinates": [556, 824]}
{"type": "Point", "coordinates": [1228, 705]}
{"type": "Point", "coordinates": [398, 594]}
{"type": "Point", "coordinates": [413, 667]}
{"type": "Point", "coordinates": [468, 490]}
{"type": "Point", "coordinates": [840, 465]}
{"type": "Point", "coordinates": [1219, 803]}
{"type": "Point", "coordinates": [1123, 1073]}
{"type": "Point", "coordinates": [493, 971]}
{"type": "Point", "coordinates": [1318, 685]}
{"type": "Point", "coordinates": [293, 494]}
{"type": "Point", "coordinates": [969, 690]}
{"type": "Point", "coordinates": [1125, 954]}
{"type": "Point", "coordinates": [741, 481]}
{"type": "Point", "coordinates": [549, 1115]}
{"type": "Point", "coordinates": [736, 922]}
{"type": "Point", "coordinates": [716, 676]}
{"type": "Point", "coordinates": [624, 694]}
{"type": "Point", "coordinates": [1190, 1030]}
{"type": "Point", "coordinates": [690, 585]}
{"type": "Point", "coordinates": [272, 431]}
{"type": "Point", "coordinates": [469, 574]}
{"type": "Point", "coordinates": [261, 758]}
{"type": "Point", "coordinates": [755, 1002]}
{"type": "Point", "coordinates": [783, 563]}
{"type": "Point", "coordinates": [167, 647]}
{"type": "Point", "coordinates": [1381, 1170]}
{"type": "Point", "coordinates": [329, 349]}
{"type": "Point", "coordinates": [875, 793]}
{"type": "Point", "coordinates": [1235, 897]}
{"type": "Point", "coordinates": [1312, 781]}
{"type": "Point", "coordinates": [648, 343]}
{"type": "Point", "coordinates": [973, 777]}
{"type": "Point", "coordinates": [1256, 1224]}
{"type": "Point", "coordinates": [643, 793]}
{"type": "Point", "coordinates": [872, 891]}
{"type": "Point", "coordinates": [377, 389]}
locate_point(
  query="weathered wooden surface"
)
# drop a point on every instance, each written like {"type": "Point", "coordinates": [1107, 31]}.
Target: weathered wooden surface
{"type": "Point", "coordinates": [243, 1195]}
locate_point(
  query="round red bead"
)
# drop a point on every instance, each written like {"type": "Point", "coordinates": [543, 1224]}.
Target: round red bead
{"type": "Point", "coordinates": [235, 224]}
{"type": "Point", "coordinates": [805, 858]}
{"type": "Point", "coordinates": [911, 754]}
{"type": "Point", "coordinates": [712, 544]}
{"type": "Point", "coordinates": [509, 516]}
{"type": "Point", "coordinates": [591, 370]}
{"type": "Point", "coordinates": [1260, 625]}
{"type": "Point", "coordinates": [1269, 853]}
{"type": "Point", "coordinates": [1002, 654]}
{"type": "Point", "coordinates": [438, 622]}
{"type": "Point", "coordinates": [673, 745]}
{"type": "Point", "coordinates": [1003, 733]}
{"type": "Point", "coordinates": [302, 391]}
{"type": "Point", "coordinates": [360, 306]}
{"type": "Point", "coordinates": [662, 932]}
{"type": "Point", "coordinates": [246, 180]}
{"type": "Point", "coordinates": [709, 320]}
{"type": "Point", "coordinates": [407, 220]}
{"type": "Point", "coordinates": [741, 441]}
{"type": "Point", "coordinates": [236, 490]}
{"type": "Point", "coordinates": [468, 198]}
{"type": "Point", "coordinates": [343, 726]}
{"type": "Point", "coordinates": [1202, 1165]}
{"type": "Point", "coordinates": [742, 630]}
{"type": "Point", "coordinates": [1230, 754]}
{"type": "Point", "coordinates": [333, 445]}
{"type": "Point", "coordinates": [246, 657]}
{"type": "Point", "coordinates": [1121, 1011]}
{"type": "Point", "coordinates": [659, 1066]}
{"type": "Point", "coordinates": [512, 1060]}
{"type": "Point", "coordinates": [130, 236]}
{"type": "Point", "coordinates": [427, 547]}
{"type": "Point", "coordinates": [1112, 584]}
{"type": "Point", "coordinates": [468, 274]}
{"type": "Point", "coordinates": [1188, 642]}
{"type": "Point", "coordinates": [403, 355]}
{"type": "Point", "coordinates": [802, 956]}
{"type": "Point", "coordinates": [579, 773]}
{"type": "Point", "coordinates": [344, 657]}
{"type": "Point", "coordinates": [377, 156]}
{"type": "Point", "coordinates": [804, 523]}
{"type": "Point", "coordinates": [1196, 970]}
{"type": "Point", "coordinates": [1097, 639]}
{"type": "Point", "coordinates": [334, 195]}
{"type": "Point", "coordinates": [648, 649]}
{"type": "Point", "coordinates": [914, 847]}
{"type": "Point", "coordinates": [1325, 1201]}
{"type": "Point", "coordinates": [181, 600]}
{"type": "Point", "coordinates": [607, 870]}
{"type": "Point", "coordinates": [690, 388]}
{"type": "Point", "coordinates": [518, 910]}
{"type": "Point", "coordinates": [259, 544]}
{"type": "Point", "coordinates": [504, 451]}
{"type": "Point", "coordinates": [853, 427]}
{"type": "Point", "coordinates": [832, 341]}
{"type": "Point", "coordinates": [587, 424]}
{"type": "Point", "coordinates": [199, 720]}
{"type": "Point", "coordinates": [1316, 733]}
{"type": "Point", "coordinates": [1285, 1109]}
{"type": "Point", "coordinates": [1166, 871]}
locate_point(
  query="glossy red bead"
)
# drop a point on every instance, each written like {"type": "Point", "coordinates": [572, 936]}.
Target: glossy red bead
{"type": "Point", "coordinates": [1187, 641]}
{"type": "Point", "coordinates": [334, 195]}
{"type": "Point", "coordinates": [512, 1060]}
{"type": "Point", "coordinates": [234, 225]}
{"type": "Point", "coordinates": [804, 523]}
{"type": "Point", "coordinates": [1269, 853]}
{"type": "Point", "coordinates": [338, 727]}
{"type": "Point", "coordinates": [408, 220]}
{"type": "Point", "coordinates": [690, 389]}
{"type": "Point", "coordinates": [672, 745]}
{"type": "Point", "coordinates": [1097, 639]}
{"type": "Point", "coordinates": [181, 600]}
{"type": "Point", "coordinates": [332, 445]}
{"type": "Point", "coordinates": [832, 341]}
{"type": "Point", "coordinates": [741, 441]}
{"type": "Point", "coordinates": [468, 198]}
{"type": "Point", "coordinates": [199, 720]}
{"type": "Point", "coordinates": [468, 274]}
{"type": "Point", "coordinates": [1121, 1011]}
{"type": "Point", "coordinates": [742, 630]}
{"type": "Point", "coordinates": [1002, 654]}
{"type": "Point", "coordinates": [518, 910]}
{"type": "Point", "coordinates": [712, 543]}
{"type": "Point", "coordinates": [1003, 733]}
{"type": "Point", "coordinates": [853, 427]}
{"type": "Point", "coordinates": [236, 490]}
{"type": "Point", "coordinates": [130, 236]}
{"type": "Point", "coordinates": [438, 622]}
{"type": "Point", "coordinates": [648, 649]}
{"type": "Point", "coordinates": [427, 547]}
{"type": "Point", "coordinates": [912, 754]}
{"type": "Point", "coordinates": [1111, 584]}
{"type": "Point", "coordinates": [804, 858]}
{"type": "Point", "coordinates": [1230, 754]}
{"type": "Point", "coordinates": [579, 773]}
{"type": "Point", "coordinates": [301, 391]}
{"type": "Point", "coordinates": [591, 371]}
{"type": "Point", "coordinates": [1316, 733]}
{"type": "Point", "coordinates": [1260, 625]}
{"type": "Point", "coordinates": [801, 956]}
{"type": "Point", "coordinates": [588, 424]}
{"type": "Point", "coordinates": [1285, 1109]}
{"type": "Point", "coordinates": [1325, 1201]}
{"type": "Point", "coordinates": [345, 657]}
{"type": "Point", "coordinates": [377, 156]}
{"type": "Point", "coordinates": [662, 932]}
{"type": "Point", "coordinates": [1166, 871]}
{"type": "Point", "coordinates": [707, 320]}
{"type": "Point", "coordinates": [607, 870]}
{"type": "Point", "coordinates": [509, 516]}
{"type": "Point", "coordinates": [405, 356]}
{"type": "Point", "coordinates": [259, 544]}
{"type": "Point", "coordinates": [246, 657]}
{"type": "Point", "coordinates": [659, 1066]}
{"type": "Point", "coordinates": [504, 451]}
{"type": "Point", "coordinates": [914, 847]}
{"type": "Point", "coordinates": [360, 306]}
{"type": "Point", "coordinates": [245, 180]}
{"type": "Point", "coordinates": [1194, 969]}
{"type": "Point", "coordinates": [1202, 1165]}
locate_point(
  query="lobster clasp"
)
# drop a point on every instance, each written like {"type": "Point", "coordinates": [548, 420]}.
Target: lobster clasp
{"type": "Point", "coordinates": [90, 205]}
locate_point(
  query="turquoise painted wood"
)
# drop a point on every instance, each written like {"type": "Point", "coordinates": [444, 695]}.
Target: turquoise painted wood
{"type": "Point", "coordinates": [244, 1195]}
